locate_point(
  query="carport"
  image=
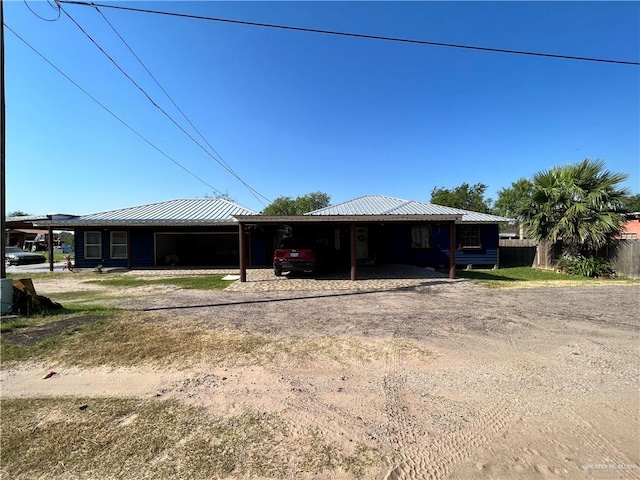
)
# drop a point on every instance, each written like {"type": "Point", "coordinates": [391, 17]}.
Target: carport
{"type": "Point", "coordinates": [332, 228]}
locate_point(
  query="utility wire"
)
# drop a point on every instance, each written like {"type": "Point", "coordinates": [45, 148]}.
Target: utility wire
{"type": "Point", "coordinates": [228, 169]}
{"type": "Point", "coordinates": [57, 8]}
{"type": "Point", "coordinates": [111, 113]}
{"type": "Point", "coordinates": [354, 35]}
{"type": "Point", "coordinates": [160, 86]}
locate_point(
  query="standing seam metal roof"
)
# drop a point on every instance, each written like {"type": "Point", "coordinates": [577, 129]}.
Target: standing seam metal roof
{"type": "Point", "coordinates": [181, 210]}
{"type": "Point", "coordinates": [382, 205]}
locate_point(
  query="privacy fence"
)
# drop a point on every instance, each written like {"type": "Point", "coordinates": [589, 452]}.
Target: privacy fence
{"type": "Point", "coordinates": [624, 255]}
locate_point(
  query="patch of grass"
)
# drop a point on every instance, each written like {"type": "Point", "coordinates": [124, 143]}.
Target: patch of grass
{"type": "Point", "coordinates": [125, 339]}
{"type": "Point", "coordinates": [200, 282]}
{"type": "Point", "coordinates": [40, 338]}
{"type": "Point", "coordinates": [87, 302]}
{"type": "Point", "coordinates": [37, 276]}
{"type": "Point", "coordinates": [16, 323]}
{"type": "Point", "coordinates": [17, 353]}
{"type": "Point", "coordinates": [67, 312]}
{"type": "Point", "coordinates": [526, 276]}
{"type": "Point", "coordinates": [131, 439]}
{"type": "Point", "coordinates": [339, 349]}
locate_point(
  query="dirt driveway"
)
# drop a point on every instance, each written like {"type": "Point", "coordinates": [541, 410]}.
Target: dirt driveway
{"type": "Point", "coordinates": [446, 379]}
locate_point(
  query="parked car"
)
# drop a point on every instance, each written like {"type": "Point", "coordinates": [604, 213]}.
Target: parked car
{"type": "Point", "coordinates": [17, 256]}
{"type": "Point", "coordinates": [295, 255]}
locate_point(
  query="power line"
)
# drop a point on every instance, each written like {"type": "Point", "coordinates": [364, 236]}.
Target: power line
{"type": "Point", "coordinates": [353, 35]}
{"type": "Point", "coordinates": [164, 112]}
{"type": "Point", "coordinates": [176, 105]}
{"type": "Point", "coordinates": [56, 8]}
{"type": "Point", "coordinates": [112, 113]}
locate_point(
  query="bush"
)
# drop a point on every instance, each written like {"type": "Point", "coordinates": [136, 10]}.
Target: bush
{"type": "Point", "coordinates": [585, 266]}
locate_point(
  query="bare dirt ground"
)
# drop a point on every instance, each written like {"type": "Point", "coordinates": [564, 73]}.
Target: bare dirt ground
{"type": "Point", "coordinates": [449, 380]}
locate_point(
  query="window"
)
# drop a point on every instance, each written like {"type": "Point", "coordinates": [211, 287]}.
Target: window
{"type": "Point", "coordinates": [118, 244]}
{"type": "Point", "coordinates": [470, 236]}
{"type": "Point", "coordinates": [420, 237]}
{"type": "Point", "coordinates": [92, 245]}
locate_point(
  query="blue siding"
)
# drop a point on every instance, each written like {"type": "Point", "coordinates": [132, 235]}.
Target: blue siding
{"type": "Point", "coordinates": [389, 243]}
{"type": "Point", "coordinates": [105, 260]}
{"type": "Point", "coordinates": [259, 254]}
{"type": "Point", "coordinates": [396, 247]}
{"type": "Point", "coordinates": [141, 247]}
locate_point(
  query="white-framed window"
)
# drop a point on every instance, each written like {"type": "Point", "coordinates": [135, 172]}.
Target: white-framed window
{"type": "Point", "coordinates": [92, 245]}
{"type": "Point", "coordinates": [118, 244]}
{"type": "Point", "coordinates": [421, 236]}
{"type": "Point", "coordinates": [470, 236]}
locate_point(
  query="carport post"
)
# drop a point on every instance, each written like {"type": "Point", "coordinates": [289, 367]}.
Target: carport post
{"type": "Point", "coordinates": [354, 256]}
{"type": "Point", "coordinates": [452, 250]}
{"type": "Point", "coordinates": [129, 249]}
{"type": "Point", "coordinates": [50, 247]}
{"type": "Point", "coordinates": [243, 264]}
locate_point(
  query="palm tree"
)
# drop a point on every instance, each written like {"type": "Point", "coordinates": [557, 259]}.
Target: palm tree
{"type": "Point", "coordinates": [580, 204]}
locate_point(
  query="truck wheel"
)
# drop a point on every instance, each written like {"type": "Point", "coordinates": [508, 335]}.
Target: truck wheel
{"type": "Point", "coordinates": [277, 271]}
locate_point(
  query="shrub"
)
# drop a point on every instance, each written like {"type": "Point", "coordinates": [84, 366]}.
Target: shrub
{"type": "Point", "coordinates": [585, 266]}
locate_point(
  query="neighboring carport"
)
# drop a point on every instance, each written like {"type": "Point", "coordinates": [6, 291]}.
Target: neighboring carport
{"type": "Point", "coordinates": [31, 222]}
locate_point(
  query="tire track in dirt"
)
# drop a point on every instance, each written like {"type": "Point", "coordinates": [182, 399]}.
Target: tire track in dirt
{"type": "Point", "coordinates": [609, 452]}
{"type": "Point", "coordinates": [422, 460]}
{"type": "Point", "coordinates": [580, 427]}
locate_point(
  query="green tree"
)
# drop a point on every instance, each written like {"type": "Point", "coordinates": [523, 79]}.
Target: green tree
{"type": "Point", "coordinates": [17, 213]}
{"type": "Point", "coordinates": [298, 206]}
{"type": "Point", "coordinates": [512, 200]}
{"type": "Point", "coordinates": [632, 203]}
{"type": "Point", "coordinates": [66, 237]}
{"type": "Point", "coordinates": [580, 204]}
{"type": "Point", "coordinates": [281, 206]}
{"type": "Point", "coordinates": [464, 196]}
{"type": "Point", "coordinates": [312, 201]}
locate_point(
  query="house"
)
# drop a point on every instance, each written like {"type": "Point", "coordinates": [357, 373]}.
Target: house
{"type": "Point", "coordinates": [23, 237]}
{"type": "Point", "coordinates": [186, 232]}
{"type": "Point", "coordinates": [20, 231]}
{"type": "Point", "coordinates": [214, 232]}
{"type": "Point", "coordinates": [376, 229]}
{"type": "Point", "coordinates": [631, 229]}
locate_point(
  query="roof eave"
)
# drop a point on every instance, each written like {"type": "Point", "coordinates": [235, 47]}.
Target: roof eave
{"type": "Point", "coordinates": [151, 223]}
{"type": "Point", "coordinates": [346, 218]}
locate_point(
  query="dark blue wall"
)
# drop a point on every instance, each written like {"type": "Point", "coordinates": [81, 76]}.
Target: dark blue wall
{"type": "Point", "coordinates": [389, 243]}
{"type": "Point", "coordinates": [395, 247]}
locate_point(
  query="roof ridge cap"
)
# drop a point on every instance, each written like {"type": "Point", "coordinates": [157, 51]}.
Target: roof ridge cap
{"type": "Point", "coordinates": [403, 203]}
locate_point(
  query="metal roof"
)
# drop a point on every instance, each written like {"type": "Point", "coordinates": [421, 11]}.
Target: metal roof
{"type": "Point", "coordinates": [377, 205]}
{"type": "Point", "coordinates": [194, 211]}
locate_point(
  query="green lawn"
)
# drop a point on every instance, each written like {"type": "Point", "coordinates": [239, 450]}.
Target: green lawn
{"type": "Point", "coordinates": [521, 276]}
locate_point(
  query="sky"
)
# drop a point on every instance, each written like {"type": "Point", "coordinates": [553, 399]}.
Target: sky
{"type": "Point", "coordinates": [293, 112]}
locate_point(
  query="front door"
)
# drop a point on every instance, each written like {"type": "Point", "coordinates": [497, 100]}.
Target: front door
{"type": "Point", "coordinates": [362, 243]}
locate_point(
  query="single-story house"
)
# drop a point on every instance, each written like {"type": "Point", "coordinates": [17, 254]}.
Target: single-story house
{"type": "Point", "coordinates": [376, 229]}
{"type": "Point", "coordinates": [19, 237]}
{"type": "Point", "coordinates": [186, 232]}
{"type": "Point", "coordinates": [212, 232]}
{"type": "Point", "coordinates": [631, 229]}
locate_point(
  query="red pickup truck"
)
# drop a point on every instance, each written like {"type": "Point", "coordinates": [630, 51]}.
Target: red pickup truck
{"type": "Point", "coordinates": [295, 255]}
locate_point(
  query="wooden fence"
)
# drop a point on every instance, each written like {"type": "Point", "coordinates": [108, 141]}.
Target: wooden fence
{"type": "Point", "coordinates": [624, 255]}
{"type": "Point", "coordinates": [625, 258]}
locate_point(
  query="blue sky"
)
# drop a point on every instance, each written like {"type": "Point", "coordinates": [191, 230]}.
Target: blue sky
{"type": "Point", "coordinates": [293, 112]}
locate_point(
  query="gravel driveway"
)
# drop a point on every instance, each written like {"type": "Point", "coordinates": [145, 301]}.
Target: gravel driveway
{"type": "Point", "coordinates": [463, 381]}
